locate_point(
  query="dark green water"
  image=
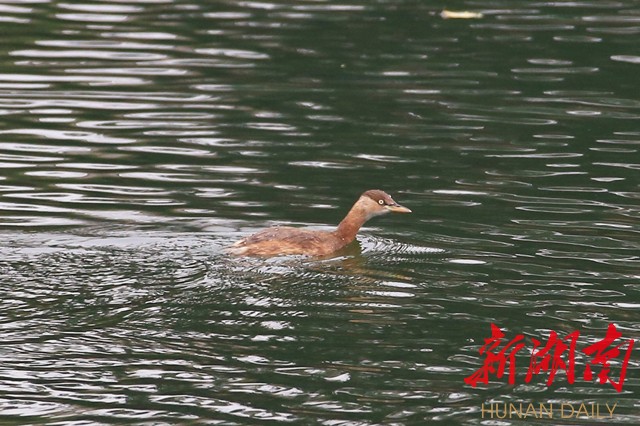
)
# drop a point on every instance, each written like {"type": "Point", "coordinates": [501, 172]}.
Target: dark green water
{"type": "Point", "coordinates": [139, 139]}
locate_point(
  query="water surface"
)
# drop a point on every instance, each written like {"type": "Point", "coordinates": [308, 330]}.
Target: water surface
{"type": "Point", "coordinates": [138, 140]}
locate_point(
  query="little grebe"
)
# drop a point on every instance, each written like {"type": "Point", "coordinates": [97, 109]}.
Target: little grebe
{"type": "Point", "coordinates": [282, 240]}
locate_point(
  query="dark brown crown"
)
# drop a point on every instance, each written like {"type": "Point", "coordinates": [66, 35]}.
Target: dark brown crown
{"type": "Point", "coordinates": [377, 195]}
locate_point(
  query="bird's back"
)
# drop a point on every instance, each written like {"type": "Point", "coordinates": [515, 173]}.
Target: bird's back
{"type": "Point", "coordinates": [287, 240]}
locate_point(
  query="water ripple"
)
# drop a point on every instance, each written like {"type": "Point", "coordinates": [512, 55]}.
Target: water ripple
{"type": "Point", "coordinates": [140, 139]}
{"type": "Point", "coordinates": [89, 137]}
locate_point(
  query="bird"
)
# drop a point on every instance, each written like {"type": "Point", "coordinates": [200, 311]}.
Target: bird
{"type": "Point", "coordinates": [288, 240]}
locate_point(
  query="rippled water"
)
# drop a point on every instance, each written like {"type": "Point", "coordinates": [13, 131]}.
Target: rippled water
{"type": "Point", "coordinates": [139, 139]}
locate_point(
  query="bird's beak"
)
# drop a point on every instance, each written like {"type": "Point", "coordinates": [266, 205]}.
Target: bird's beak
{"type": "Point", "coordinates": [397, 208]}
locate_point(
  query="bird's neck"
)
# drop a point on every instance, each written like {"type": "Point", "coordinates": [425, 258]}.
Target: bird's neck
{"type": "Point", "coordinates": [350, 225]}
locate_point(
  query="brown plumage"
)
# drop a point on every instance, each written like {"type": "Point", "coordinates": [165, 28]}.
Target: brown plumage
{"type": "Point", "coordinates": [281, 240]}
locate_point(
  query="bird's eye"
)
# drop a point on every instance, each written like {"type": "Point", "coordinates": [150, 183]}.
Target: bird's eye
{"type": "Point", "coordinates": [381, 202]}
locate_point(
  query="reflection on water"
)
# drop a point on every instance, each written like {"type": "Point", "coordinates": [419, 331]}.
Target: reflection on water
{"type": "Point", "coordinates": [138, 140]}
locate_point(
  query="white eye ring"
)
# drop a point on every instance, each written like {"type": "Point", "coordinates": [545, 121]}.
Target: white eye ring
{"type": "Point", "coordinates": [381, 202]}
